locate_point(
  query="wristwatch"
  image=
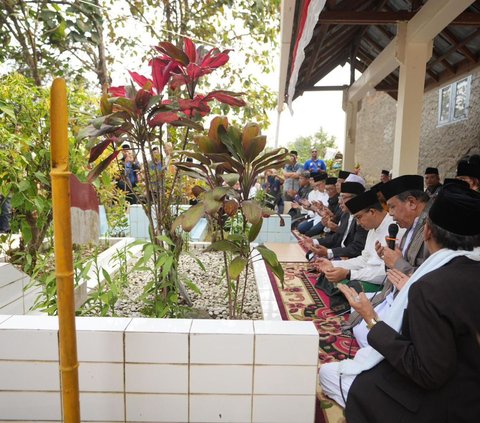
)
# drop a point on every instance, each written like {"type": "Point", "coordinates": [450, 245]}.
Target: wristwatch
{"type": "Point", "coordinates": [372, 322]}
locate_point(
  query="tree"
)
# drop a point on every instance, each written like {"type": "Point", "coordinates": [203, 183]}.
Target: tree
{"type": "Point", "coordinates": [320, 140]}
{"type": "Point", "coordinates": [42, 37]}
{"type": "Point", "coordinates": [25, 158]}
{"type": "Point", "coordinates": [249, 28]}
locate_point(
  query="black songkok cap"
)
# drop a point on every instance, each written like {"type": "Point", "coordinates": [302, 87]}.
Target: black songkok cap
{"type": "Point", "coordinates": [456, 181]}
{"type": "Point", "coordinates": [376, 187]}
{"type": "Point", "coordinates": [317, 177]}
{"type": "Point", "coordinates": [431, 171]}
{"type": "Point", "coordinates": [363, 201]}
{"type": "Point", "coordinates": [385, 172]}
{"type": "Point", "coordinates": [469, 166]}
{"type": "Point", "coordinates": [401, 184]}
{"type": "Point", "coordinates": [331, 181]}
{"type": "Point", "coordinates": [352, 188]}
{"type": "Point", "coordinates": [343, 174]}
{"type": "Point", "coordinates": [456, 209]}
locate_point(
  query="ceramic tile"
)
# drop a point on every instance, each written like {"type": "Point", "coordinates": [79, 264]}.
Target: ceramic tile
{"type": "Point", "coordinates": [4, 317]}
{"type": "Point", "coordinates": [157, 408]}
{"type": "Point", "coordinates": [101, 377]}
{"type": "Point", "coordinates": [221, 342]}
{"type": "Point", "coordinates": [9, 273]}
{"type": "Point", "coordinates": [28, 375]}
{"type": "Point", "coordinates": [283, 408]}
{"type": "Point", "coordinates": [285, 328]}
{"type": "Point", "coordinates": [100, 338]}
{"type": "Point", "coordinates": [291, 380]}
{"type": "Point", "coordinates": [11, 292]}
{"type": "Point", "coordinates": [269, 307]}
{"type": "Point", "coordinates": [220, 408]}
{"type": "Point", "coordinates": [220, 379]}
{"type": "Point", "coordinates": [286, 349]}
{"type": "Point", "coordinates": [102, 407]}
{"type": "Point", "coordinates": [15, 307]}
{"type": "Point", "coordinates": [41, 406]}
{"type": "Point", "coordinates": [153, 347]}
{"type": "Point", "coordinates": [21, 341]}
{"type": "Point", "coordinates": [156, 378]}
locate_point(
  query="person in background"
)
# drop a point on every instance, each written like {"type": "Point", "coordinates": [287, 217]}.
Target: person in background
{"type": "Point", "coordinates": [342, 175]}
{"type": "Point", "coordinates": [273, 187]}
{"type": "Point", "coordinates": [432, 181]}
{"type": "Point", "coordinates": [314, 164]}
{"type": "Point", "coordinates": [468, 170]}
{"type": "Point", "coordinates": [291, 174]}
{"type": "Point", "coordinates": [5, 214]}
{"type": "Point", "coordinates": [316, 198]}
{"type": "Point", "coordinates": [304, 189]}
{"type": "Point", "coordinates": [384, 176]}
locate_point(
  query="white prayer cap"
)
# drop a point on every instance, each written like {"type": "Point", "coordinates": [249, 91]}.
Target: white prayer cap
{"type": "Point", "coordinates": [355, 178]}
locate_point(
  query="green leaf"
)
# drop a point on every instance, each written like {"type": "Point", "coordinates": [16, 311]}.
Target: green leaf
{"type": "Point", "coordinates": [252, 211]}
{"type": "Point", "coordinates": [272, 262]}
{"type": "Point", "coordinates": [224, 245]}
{"type": "Point", "coordinates": [236, 267]}
{"type": "Point", "coordinates": [24, 185]}
{"type": "Point", "coordinates": [254, 146]}
{"type": "Point", "coordinates": [231, 178]}
{"type": "Point", "coordinates": [17, 199]}
{"type": "Point", "coordinates": [254, 230]}
{"type": "Point", "coordinates": [190, 218]}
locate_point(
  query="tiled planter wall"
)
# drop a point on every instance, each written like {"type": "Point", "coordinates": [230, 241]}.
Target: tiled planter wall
{"type": "Point", "coordinates": [162, 370]}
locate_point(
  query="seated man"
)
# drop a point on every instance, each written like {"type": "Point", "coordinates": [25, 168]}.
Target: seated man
{"type": "Point", "coordinates": [367, 268]}
{"type": "Point", "coordinates": [408, 205]}
{"type": "Point", "coordinates": [423, 361]}
{"type": "Point", "coordinates": [349, 239]}
{"type": "Point", "coordinates": [316, 197]}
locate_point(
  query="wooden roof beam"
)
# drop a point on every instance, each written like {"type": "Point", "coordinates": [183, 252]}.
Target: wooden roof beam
{"type": "Point", "coordinates": [430, 20]}
{"type": "Point", "coordinates": [456, 47]}
{"type": "Point", "coordinates": [352, 17]}
{"type": "Point", "coordinates": [448, 35]}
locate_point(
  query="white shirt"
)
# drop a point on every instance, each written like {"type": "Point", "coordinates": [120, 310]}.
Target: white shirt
{"type": "Point", "coordinates": [368, 266]}
{"type": "Point", "coordinates": [321, 197]}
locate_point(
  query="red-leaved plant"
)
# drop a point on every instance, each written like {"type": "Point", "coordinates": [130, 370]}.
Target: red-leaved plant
{"type": "Point", "coordinates": [141, 114]}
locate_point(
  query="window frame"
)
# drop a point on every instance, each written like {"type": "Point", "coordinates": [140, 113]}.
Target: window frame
{"type": "Point", "coordinates": [452, 102]}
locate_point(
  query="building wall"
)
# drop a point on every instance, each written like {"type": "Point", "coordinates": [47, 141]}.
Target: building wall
{"type": "Point", "coordinates": [440, 146]}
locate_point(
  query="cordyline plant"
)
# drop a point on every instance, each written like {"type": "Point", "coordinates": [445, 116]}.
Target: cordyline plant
{"type": "Point", "coordinates": [229, 157]}
{"type": "Point", "coordinates": [140, 113]}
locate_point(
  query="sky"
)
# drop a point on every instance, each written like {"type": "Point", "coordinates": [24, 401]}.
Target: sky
{"type": "Point", "coordinates": [312, 110]}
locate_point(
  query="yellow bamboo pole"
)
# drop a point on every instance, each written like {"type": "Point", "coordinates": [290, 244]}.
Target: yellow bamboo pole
{"type": "Point", "coordinates": [63, 251]}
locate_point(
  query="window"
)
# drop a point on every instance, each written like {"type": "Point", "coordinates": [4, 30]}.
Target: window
{"type": "Point", "coordinates": [453, 101]}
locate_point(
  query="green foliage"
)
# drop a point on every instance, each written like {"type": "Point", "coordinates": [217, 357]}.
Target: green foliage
{"type": "Point", "coordinates": [44, 38]}
{"type": "Point", "coordinates": [25, 158]}
{"type": "Point", "coordinates": [235, 157]}
{"type": "Point", "coordinates": [320, 140]}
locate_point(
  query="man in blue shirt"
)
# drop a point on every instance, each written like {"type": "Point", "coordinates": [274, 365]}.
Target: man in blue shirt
{"type": "Point", "coordinates": [315, 164]}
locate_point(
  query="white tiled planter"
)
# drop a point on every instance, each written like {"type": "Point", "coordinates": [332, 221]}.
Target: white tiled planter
{"type": "Point", "coordinates": [152, 370]}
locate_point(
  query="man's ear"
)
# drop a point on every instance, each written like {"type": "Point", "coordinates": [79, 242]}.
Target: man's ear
{"type": "Point", "coordinates": [427, 232]}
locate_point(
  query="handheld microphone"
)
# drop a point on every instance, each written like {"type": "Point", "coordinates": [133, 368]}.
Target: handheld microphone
{"type": "Point", "coordinates": [392, 235]}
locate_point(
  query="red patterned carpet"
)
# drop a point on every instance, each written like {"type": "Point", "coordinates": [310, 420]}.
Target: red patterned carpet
{"type": "Point", "coordinates": [300, 300]}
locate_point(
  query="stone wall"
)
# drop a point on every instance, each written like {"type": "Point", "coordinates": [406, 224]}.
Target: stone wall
{"type": "Point", "coordinates": [440, 146]}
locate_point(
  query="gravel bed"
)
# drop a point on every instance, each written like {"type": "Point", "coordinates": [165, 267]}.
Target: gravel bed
{"type": "Point", "coordinates": [210, 303]}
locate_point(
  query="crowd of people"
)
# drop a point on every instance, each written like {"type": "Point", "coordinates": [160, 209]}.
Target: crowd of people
{"type": "Point", "coordinates": [401, 261]}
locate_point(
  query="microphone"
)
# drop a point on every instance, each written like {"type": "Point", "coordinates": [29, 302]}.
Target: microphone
{"type": "Point", "coordinates": [392, 235]}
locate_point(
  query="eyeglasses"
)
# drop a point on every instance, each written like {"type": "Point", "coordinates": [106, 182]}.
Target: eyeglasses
{"type": "Point", "coordinates": [359, 216]}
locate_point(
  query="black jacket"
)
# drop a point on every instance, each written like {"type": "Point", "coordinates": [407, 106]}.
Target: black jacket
{"type": "Point", "coordinates": [431, 371]}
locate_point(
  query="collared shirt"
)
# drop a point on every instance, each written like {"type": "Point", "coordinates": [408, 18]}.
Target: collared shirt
{"type": "Point", "coordinates": [409, 235]}
{"type": "Point", "coordinates": [368, 266]}
{"type": "Point", "coordinates": [315, 165]}
{"type": "Point", "coordinates": [291, 183]}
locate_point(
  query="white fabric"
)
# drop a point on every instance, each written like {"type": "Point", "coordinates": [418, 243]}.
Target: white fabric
{"type": "Point", "coordinates": [368, 357]}
{"type": "Point", "coordinates": [315, 195]}
{"type": "Point", "coordinates": [350, 220]}
{"type": "Point", "coordinates": [368, 266]}
{"type": "Point", "coordinates": [331, 382]}
{"type": "Point", "coordinates": [314, 9]}
{"type": "Point", "coordinates": [355, 178]}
